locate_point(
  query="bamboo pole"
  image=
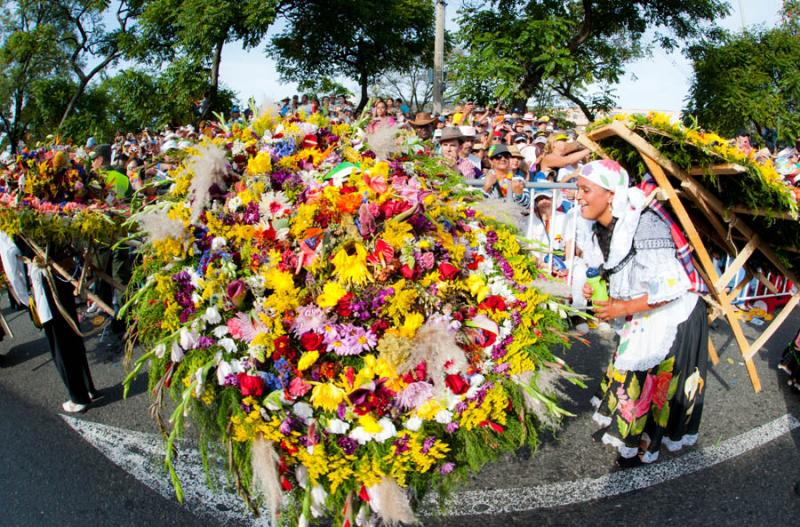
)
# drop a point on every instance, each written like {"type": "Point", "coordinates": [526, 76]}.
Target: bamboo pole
{"type": "Point", "coordinates": [773, 327]}
{"type": "Point", "coordinates": [739, 262]}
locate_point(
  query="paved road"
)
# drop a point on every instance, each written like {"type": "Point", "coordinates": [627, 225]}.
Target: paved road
{"type": "Point", "coordinates": [51, 476]}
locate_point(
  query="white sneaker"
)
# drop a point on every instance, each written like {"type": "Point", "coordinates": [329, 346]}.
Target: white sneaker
{"type": "Point", "coordinates": [73, 408]}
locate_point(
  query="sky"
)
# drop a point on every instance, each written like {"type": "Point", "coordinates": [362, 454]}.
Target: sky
{"type": "Point", "coordinates": [659, 82]}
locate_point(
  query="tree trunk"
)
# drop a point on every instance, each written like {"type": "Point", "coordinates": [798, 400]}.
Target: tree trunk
{"type": "Point", "coordinates": [582, 105]}
{"type": "Point", "coordinates": [214, 81]}
{"type": "Point", "coordinates": [364, 83]}
{"type": "Point", "coordinates": [71, 104]}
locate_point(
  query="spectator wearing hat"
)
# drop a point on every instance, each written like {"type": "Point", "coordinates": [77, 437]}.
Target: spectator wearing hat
{"type": "Point", "coordinates": [450, 144]}
{"type": "Point", "coordinates": [548, 227]}
{"type": "Point", "coordinates": [542, 123]}
{"type": "Point", "coordinates": [500, 176]}
{"type": "Point", "coordinates": [422, 125]}
{"type": "Point", "coordinates": [467, 143]}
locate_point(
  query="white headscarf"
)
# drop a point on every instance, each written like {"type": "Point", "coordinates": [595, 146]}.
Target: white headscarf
{"type": "Point", "coordinates": [626, 206]}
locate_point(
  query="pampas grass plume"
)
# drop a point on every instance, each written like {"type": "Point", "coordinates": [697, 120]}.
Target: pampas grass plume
{"type": "Point", "coordinates": [209, 167]}
{"type": "Point", "coordinates": [264, 460]}
{"type": "Point", "coordinates": [391, 503]}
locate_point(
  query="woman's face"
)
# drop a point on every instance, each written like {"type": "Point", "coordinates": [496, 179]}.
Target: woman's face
{"type": "Point", "coordinates": [544, 206]}
{"type": "Point", "coordinates": [514, 163]}
{"type": "Point", "coordinates": [501, 162]}
{"type": "Point", "coordinates": [450, 149]}
{"type": "Point", "coordinates": [380, 109]}
{"type": "Point", "coordinates": [593, 199]}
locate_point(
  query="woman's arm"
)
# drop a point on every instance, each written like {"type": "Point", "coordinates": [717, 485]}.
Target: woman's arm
{"type": "Point", "coordinates": [616, 308]}
{"type": "Point", "coordinates": [557, 161]}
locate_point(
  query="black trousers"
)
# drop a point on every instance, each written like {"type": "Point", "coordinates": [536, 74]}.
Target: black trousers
{"type": "Point", "coordinates": [69, 353]}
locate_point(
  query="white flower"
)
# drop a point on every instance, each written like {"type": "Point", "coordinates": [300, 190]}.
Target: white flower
{"type": "Point", "coordinates": [337, 426]}
{"type": "Point", "coordinates": [212, 316]}
{"type": "Point", "coordinates": [318, 497]}
{"type": "Point", "coordinates": [197, 299]}
{"type": "Point", "coordinates": [413, 423]}
{"type": "Point", "coordinates": [273, 205]}
{"type": "Point", "coordinates": [228, 344]}
{"type": "Point", "coordinates": [234, 203]}
{"type": "Point", "coordinates": [303, 410]}
{"type": "Point", "coordinates": [160, 350]}
{"type": "Point", "coordinates": [443, 417]}
{"type": "Point", "coordinates": [176, 354]}
{"type": "Point", "coordinates": [188, 339]}
{"type": "Point", "coordinates": [223, 370]}
{"type": "Point", "coordinates": [360, 435]}
{"type": "Point", "coordinates": [301, 475]}
{"type": "Point", "coordinates": [218, 243]}
{"type": "Point", "coordinates": [200, 378]}
{"type": "Point", "coordinates": [221, 331]}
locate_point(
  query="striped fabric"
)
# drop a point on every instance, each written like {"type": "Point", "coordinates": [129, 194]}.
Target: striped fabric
{"type": "Point", "coordinates": [682, 248]}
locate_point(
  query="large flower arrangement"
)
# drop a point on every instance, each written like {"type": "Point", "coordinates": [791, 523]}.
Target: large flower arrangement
{"type": "Point", "coordinates": [52, 197]}
{"type": "Point", "coordinates": [760, 187]}
{"type": "Point", "coordinates": [349, 332]}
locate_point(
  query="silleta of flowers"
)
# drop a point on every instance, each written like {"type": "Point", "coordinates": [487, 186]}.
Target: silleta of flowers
{"type": "Point", "coordinates": [52, 197]}
{"type": "Point", "coordinates": [350, 333]}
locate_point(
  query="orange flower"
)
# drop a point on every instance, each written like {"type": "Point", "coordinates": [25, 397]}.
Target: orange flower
{"type": "Point", "coordinates": [348, 203]}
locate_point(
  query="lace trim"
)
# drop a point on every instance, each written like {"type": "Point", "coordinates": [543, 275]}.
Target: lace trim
{"type": "Point", "coordinates": [624, 451]}
{"type": "Point", "coordinates": [674, 446]}
{"type": "Point", "coordinates": [602, 420]}
{"type": "Point", "coordinates": [653, 243]}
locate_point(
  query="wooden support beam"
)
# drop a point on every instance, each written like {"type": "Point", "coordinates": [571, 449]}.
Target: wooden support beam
{"type": "Point", "coordinates": [702, 253]}
{"type": "Point", "coordinates": [712, 352]}
{"type": "Point", "coordinates": [724, 169]}
{"type": "Point", "coordinates": [738, 263]}
{"type": "Point", "coordinates": [713, 219]}
{"type": "Point", "coordinates": [695, 188]}
{"type": "Point", "coordinates": [602, 132]}
{"type": "Point", "coordinates": [780, 215]}
{"type": "Point", "coordinates": [592, 145]}
{"type": "Point", "coordinates": [773, 327]}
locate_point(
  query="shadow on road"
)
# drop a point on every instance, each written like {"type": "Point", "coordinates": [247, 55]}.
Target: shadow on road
{"type": "Point", "coordinates": [24, 352]}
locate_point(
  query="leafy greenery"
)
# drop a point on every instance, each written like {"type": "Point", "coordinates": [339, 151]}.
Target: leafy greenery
{"type": "Point", "coordinates": [515, 49]}
{"type": "Point", "coordinates": [355, 39]}
{"type": "Point", "coordinates": [748, 80]}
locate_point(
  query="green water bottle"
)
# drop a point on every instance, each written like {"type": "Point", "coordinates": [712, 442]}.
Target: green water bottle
{"type": "Point", "coordinates": [598, 285]}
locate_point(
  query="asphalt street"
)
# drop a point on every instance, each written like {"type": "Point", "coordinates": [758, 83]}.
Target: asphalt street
{"type": "Point", "coordinates": [51, 476]}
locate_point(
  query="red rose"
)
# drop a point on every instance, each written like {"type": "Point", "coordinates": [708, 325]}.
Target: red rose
{"type": "Point", "coordinates": [250, 385]}
{"type": "Point", "coordinates": [344, 306]}
{"type": "Point", "coordinates": [456, 383]}
{"type": "Point", "coordinates": [493, 303]}
{"type": "Point", "coordinates": [311, 341]}
{"type": "Point", "coordinates": [447, 270]}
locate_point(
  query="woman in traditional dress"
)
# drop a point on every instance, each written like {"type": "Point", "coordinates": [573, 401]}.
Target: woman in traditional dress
{"type": "Point", "coordinates": [654, 387]}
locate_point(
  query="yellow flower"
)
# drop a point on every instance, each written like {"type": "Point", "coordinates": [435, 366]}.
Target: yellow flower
{"type": "Point", "coordinates": [411, 324]}
{"type": "Point", "coordinates": [369, 424]}
{"type": "Point", "coordinates": [397, 233]}
{"type": "Point", "coordinates": [429, 409]}
{"type": "Point", "coordinates": [307, 360]}
{"type": "Point", "coordinates": [327, 396]}
{"type": "Point", "coordinates": [352, 268]}
{"type": "Point", "coordinates": [331, 294]}
{"type": "Point", "coordinates": [477, 286]}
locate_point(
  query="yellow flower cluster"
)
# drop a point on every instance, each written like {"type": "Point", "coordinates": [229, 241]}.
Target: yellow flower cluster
{"type": "Point", "coordinates": [493, 409]}
{"type": "Point", "coordinates": [248, 427]}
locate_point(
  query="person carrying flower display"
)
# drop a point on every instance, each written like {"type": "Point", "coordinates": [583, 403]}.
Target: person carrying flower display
{"type": "Point", "coordinates": [653, 391]}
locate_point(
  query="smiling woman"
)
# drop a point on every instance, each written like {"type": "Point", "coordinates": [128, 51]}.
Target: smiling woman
{"type": "Point", "coordinates": [653, 390]}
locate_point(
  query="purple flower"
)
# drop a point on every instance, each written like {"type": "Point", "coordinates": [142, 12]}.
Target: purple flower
{"type": "Point", "coordinates": [401, 445]}
{"type": "Point", "coordinates": [427, 444]}
{"type": "Point", "coordinates": [205, 342]}
{"type": "Point", "coordinates": [237, 291]}
{"type": "Point", "coordinates": [251, 214]}
{"type": "Point", "coordinates": [348, 445]}
{"type": "Point", "coordinates": [447, 468]}
{"type": "Point", "coordinates": [451, 427]}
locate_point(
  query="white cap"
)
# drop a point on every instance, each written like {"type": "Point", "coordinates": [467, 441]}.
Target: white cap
{"type": "Point", "coordinates": [169, 145]}
{"type": "Point", "coordinates": [468, 131]}
{"type": "Point", "coordinates": [541, 140]}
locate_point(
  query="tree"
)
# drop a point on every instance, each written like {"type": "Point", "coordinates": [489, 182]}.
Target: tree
{"type": "Point", "coordinates": [199, 29]}
{"type": "Point", "coordinates": [749, 80]}
{"type": "Point", "coordinates": [30, 33]}
{"type": "Point", "coordinates": [525, 46]}
{"type": "Point", "coordinates": [88, 38]}
{"type": "Point", "coordinates": [357, 39]}
{"type": "Point", "coordinates": [413, 85]}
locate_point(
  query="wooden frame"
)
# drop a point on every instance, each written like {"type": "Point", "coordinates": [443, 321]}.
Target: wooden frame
{"type": "Point", "coordinates": [718, 216]}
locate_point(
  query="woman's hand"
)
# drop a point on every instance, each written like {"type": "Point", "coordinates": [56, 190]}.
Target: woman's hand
{"type": "Point", "coordinates": [587, 291]}
{"type": "Point", "coordinates": [611, 309]}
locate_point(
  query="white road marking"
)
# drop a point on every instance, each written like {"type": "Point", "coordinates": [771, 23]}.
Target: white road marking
{"type": "Point", "coordinates": [497, 501]}
{"type": "Point", "coordinates": [142, 454]}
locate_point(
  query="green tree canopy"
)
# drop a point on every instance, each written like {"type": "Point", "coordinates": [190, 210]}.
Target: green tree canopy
{"type": "Point", "coordinates": [518, 48]}
{"type": "Point", "coordinates": [199, 29]}
{"type": "Point", "coordinates": [357, 39]}
{"type": "Point", "coordinates": [748, 80]}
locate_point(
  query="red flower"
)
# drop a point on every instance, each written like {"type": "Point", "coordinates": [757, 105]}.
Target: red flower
{"type": "Point", "coordinates": [457, 384]}
{"type": "Point", "coordinates": [298, 387]}
{"type": "Point", "coordinates": [311, 341]}
{"type": "Point", "coordinates": [327, 370]}
{"type": "Point", "coordinates": [447, 270]}
{"type": "Point", "coordinates": [493, 303]}
{"type": "Point", "coordinates": [344, 307]}
{"type": "Point", "coordinates": [393, 208]}
{"type": "Point", "coordinates": [250, 385]}
{"type": "Point", "coordinates": [383, 254]}
{"type": "Point", "coordinates": [661, 388]}
{"type": "Point", "coordinates": [282, 345]}
{"type": "Point", "coordinates": [286, 485]}
{"type": "Point", "coordinates": [473, 264]}
{"type": "Point", "coordinates": [407, 272]}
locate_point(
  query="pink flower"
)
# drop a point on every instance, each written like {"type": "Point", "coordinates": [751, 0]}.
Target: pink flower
{"type": "Point", "coordinates": [414, 395]}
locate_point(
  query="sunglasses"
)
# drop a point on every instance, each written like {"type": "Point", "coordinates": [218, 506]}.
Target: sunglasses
{"type": "Point", "coordinates": [502, 156]}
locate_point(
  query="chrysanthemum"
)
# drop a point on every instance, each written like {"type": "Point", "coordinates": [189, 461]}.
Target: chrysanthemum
{"type": "Point", "coordinates": [274, 205]}
{"type": "Point", "coordinates": [309, 318]}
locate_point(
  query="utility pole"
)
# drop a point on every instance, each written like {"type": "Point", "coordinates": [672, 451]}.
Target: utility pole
{"type": "Point", "coordinates": [438, 58]}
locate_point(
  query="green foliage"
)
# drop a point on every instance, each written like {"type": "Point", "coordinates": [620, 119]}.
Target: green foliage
{"type": "Point", "coordinates": [514, 49]}
{"type": "Point", "coordinates": [354, 39]}
{"type": "Point", "coordinates": [749, 80]}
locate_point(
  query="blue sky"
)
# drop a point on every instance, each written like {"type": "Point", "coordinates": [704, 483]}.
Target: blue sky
{"type": "Point", "coordinates": [659, 82]}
